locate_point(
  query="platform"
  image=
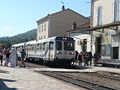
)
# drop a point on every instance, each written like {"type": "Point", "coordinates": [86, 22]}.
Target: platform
{"type": "Point", "coordinates": [27, 79]}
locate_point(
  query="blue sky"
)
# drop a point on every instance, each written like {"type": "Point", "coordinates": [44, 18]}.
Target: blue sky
{"type": "Point", "coordinates": [19, 16]}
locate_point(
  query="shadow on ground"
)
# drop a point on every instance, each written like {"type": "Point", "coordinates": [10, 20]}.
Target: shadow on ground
{"type": "Point", "coordinates": [3, 71]}
{"type": "Point", "coordinates": [3, 86]}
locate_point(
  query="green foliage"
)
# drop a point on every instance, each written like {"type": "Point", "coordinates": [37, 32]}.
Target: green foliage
{"type": "Point", "coordinates": [24, 37]}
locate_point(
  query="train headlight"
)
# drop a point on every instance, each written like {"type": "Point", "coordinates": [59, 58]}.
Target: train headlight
{"type": "Point", "coordinates": [58, 52]}
{"type": "Point", "coordinates": [71, 53]}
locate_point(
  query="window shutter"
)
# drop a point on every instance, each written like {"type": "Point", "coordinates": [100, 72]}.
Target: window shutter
{"type": "Point", "coordinates": [116, 10]}
{"type": "Point", "coordinates": [99, 17]}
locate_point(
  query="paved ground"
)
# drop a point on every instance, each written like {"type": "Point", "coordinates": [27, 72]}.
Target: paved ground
{"type": "Point", "coordinates": [27, 79]}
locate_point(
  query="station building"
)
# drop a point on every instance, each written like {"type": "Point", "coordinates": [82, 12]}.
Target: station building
{"type": "Point", "coordinates": [105, 24]}
{"type": "Point", "coordinates": [82, 36]}
{"type": "Point", "coordinates": [58, 23]}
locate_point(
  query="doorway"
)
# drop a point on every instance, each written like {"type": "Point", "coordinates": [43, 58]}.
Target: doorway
{"type": "Point", "coordinates": [115, 52]}
{"type": "Point", "coordinates": [98, 45]}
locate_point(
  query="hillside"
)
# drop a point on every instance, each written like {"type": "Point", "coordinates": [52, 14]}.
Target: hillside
{"type": "Point", "coordinates": [27, 36]}
{"type": "Point", "coordinates": [30, 35]}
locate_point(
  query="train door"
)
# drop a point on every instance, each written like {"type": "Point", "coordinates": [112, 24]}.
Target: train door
{"type": "Point", "coordinates": [51, 51]}
{"type": "Point", "coordinates": [26, 51]}
{"type": "Point", "coordinates": [45, 50]}
{"type": "Point", "coordinates": [58, 50]}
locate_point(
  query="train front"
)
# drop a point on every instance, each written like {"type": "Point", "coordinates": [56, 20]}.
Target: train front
{"type": "Point", "coordinates": [65, 49]}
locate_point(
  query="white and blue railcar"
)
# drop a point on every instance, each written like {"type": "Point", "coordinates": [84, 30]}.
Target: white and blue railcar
{"type": "Point", "coordinates": [57, 49]}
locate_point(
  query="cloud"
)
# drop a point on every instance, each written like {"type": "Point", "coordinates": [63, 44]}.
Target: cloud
{"type": "Point", "coordinates": [7, 28]}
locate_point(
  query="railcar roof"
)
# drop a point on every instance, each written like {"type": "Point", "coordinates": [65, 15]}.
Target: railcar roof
{"type": "Point", "coordinates": [55, 38]}
{"type": "Point", "coordinates": [31, 42]}
{"type": "Point", "coordinates": [19, 44]}
{"type": "Point", "coordinates": [45, 40]}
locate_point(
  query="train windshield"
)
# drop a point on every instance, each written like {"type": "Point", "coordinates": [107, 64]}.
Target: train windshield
{"type": "Point", "coordinates": [59, 45]}
{"type": "Point", "coordinates": [69, 46]}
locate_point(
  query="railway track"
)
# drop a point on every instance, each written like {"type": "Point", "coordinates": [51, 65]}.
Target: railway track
{"type": "Point", "coordinates": [110, 75]}
{"type": "Point", "coordinates": [87, 80]}
{"type": "Point", "coordinates": [78, 82]}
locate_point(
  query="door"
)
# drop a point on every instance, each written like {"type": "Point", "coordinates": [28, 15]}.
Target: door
{"type": "Point", "coordinates": [115, 52]}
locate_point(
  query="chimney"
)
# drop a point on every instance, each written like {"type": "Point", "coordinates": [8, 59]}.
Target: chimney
{"type": "Point", "coordinates": [74, 26]}
{"type": "Point", "coordinates": [63, 8]}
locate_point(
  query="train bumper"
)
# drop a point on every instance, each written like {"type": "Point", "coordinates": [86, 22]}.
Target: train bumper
{"type": "Point", "coordinates": [63, 60]}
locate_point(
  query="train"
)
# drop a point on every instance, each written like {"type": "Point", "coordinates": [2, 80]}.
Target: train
{"type": "Point", "coordinates": [55, 49]}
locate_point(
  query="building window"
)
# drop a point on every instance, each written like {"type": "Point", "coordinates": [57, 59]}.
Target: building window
{"type": "Point", "coordinates": [99, 16]}
{"type": "Point", "coordinates": [39, 28]}
{"type": "Point", "coordinates": [41, 37]}
{"type": "Point", "coordinates": [44, 27]}
{"type": "Point", "coordinates": [116, 10]}
{"type": "Point", "coordinates": [44, 37]}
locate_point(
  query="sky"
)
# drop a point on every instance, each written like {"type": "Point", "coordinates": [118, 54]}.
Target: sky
{"type": "Point", "coordinates": [19, 16]}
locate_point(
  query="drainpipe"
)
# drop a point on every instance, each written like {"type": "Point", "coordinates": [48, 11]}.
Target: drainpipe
{"type": "Point", "coordinates": [91, 23]}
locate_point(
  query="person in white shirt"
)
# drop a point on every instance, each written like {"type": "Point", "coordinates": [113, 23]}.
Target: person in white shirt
{"type": "Point", "coordinates": [13, 57]}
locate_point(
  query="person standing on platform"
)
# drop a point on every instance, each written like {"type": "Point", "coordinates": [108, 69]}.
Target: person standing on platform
{"type": "Point", "coordinates": [13, 57]}
{"type": "Point", "coordinates": [90, 58]}
{"type": "Point", "coordinates": [4, 53]}
{"type": "Point", "coordinates": [23, 55]}
{"type": "Point", "coordinates": [80, 57]}
{"type": "Point", "coordinates": [7, 58]}
{"type": "Point", "coordinates": [97, 58]}
{"type": "Point", "coordinates": [1, 58]}
{"type": "Point", "coordinates": [86, 57]}
{"type": "Point", "coordinates": [76, 55]}
{"type": "Point", "coordinates": [1, 55]}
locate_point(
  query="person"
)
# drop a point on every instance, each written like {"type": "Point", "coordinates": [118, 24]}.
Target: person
{"type": "Point", "coordinates": [1, 55]}
{"type": "Point", "coordinates": [4, 56]}
{"type": "Point", "coordinates": [7, 58]}
{"type": "Point", "coordinates": [76, 55]}
{"type": "Point", "coordinates": [86, 57]}
{"type": "Point", "coordinates": [23, 54]}
{"type": "Point", "coordinates": [13, 57]}
{"type": "Point", "coordinates": [80, 56]}
{"type": "Point", "coordinates": [90, 58]}
{"type": "Point", "coordinates": [97, 57]}
{"type": "Point", "coordinates": [1, 58]}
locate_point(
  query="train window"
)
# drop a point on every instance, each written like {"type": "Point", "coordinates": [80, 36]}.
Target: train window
{"type": "Point", "coordinates": [32, 47]}
{"type": "Point", "coordinates": [37, 47]}
{"type": "Point", "coordinates": [69, 46]}
{"type": "Point", "coordinates": [59, 45]}
{"type": "Point", "coordinates": [44, 45]}
{"type": "Point", "coordinates": [51, 45]}
{"type": "Point", "coordinates": [28, 47]}
{"type": "Point", "coordinates": [40, 46]}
